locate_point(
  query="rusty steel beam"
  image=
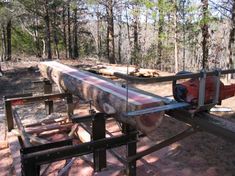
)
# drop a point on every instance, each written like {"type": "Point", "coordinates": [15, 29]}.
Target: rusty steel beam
{"type": "Point", "coordinates": [24, 100]}
{"type": "Point", "coordinates": [162, 144]}
{"type": "Point", "coordinates": [24, 136]}
{"type": "Point", "coordinates": [206, 122]}
{"type": "Point", "coordinates": [137, 80]}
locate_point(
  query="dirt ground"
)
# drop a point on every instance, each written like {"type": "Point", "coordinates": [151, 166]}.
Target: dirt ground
{"type": "Point", "coordinates": [201, 154]}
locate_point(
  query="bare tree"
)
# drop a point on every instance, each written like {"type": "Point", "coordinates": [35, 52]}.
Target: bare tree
{"type": "Point", "coordinates": [176, 36]}
{"type": "Point", "coordinates": [205, 34]}
{"type": "Point", "coordinates": [55, 35]}
{"type": "Point", "coordinates": [4, 43]}
{"type": "Point", "coordinates": [64, 30]}
{"type": "Point", "coordinates": [160, 33]}
{"type": "Point", "coordinates": [120, 37]}
{"type": "Point", "coordinates": [99, 42]}
{"type": "Point", "coordinates": [75, 32]}
{"type": "Point", "coordinates": [231, 45]}
{"type": "Point", "coordinates": [69, 30]}
{"type": "Point", "coordinates": [48, 31]}
{"type": "Point", "coordinates": [110, 32]}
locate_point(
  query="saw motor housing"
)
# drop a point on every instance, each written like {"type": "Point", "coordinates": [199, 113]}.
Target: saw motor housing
{"type": "Point", "coordinates": [214, 90]}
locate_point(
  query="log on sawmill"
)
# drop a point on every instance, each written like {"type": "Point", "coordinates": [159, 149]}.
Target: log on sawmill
{"type": "Point", "coordinates": [107, 97]}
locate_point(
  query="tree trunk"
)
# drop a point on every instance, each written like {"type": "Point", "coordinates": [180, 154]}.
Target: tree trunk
{"type": "Point", "coordinates": [110, 33]}
{"type": "Point", "coordinates": [56, 40]}
{"type": "Point", "coordinates": [160, 34]}
{"type": "Point", "coordinates": [120, 39]}
{"type": "Point", "coordinates": [145, 32]}
{"type": "Point", "coordinates": [205, 35]}
{"type": "Point", "coordinates": [39, 52]}
{"type": "Point", "coordinates": [128, 31]}
{"type": "Point", "coordinates": [2, 47]}
{"type": "Point", "coordinates": [43, 48]}
{"type": "Point", "coordinates": [136, 40]}
{"type": "Point", "coordinates": [75, 33]}
{"type": "Point", "coordinates": [184, 38]}
{"type": "Point", "coordinates": [69, 31]}
{"type": "Point", "coordinates": [36, 31]}
{"type": "Point", "coordinates": [64, 31]}
{"type": "Point", "coordinates": [176, 37]}
{"type": "Point", "coordinates": [99, 42]}
{"type": "Point", "coordinates": [9, 40]}
{"type": "Point", "coordinates": [231, 45]}
{"type": "Point", "coordinates": [48, 32]}
{"type": "Point", "coordinates": [4, 44]}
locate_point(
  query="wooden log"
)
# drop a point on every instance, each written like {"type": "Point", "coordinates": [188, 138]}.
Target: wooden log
{"type": "Point", "coordinates": [47, 121]}
{"type": "Point", "coordinates": [48, 127]}
{"type": "Point", "coordinates": [134, 71]}
{"type": "Point", "coordinates": [37, 140]}
{"type": "Point", "coordinates": [73, 130]}
{"type": "Point", "coordinates": [107, 97]}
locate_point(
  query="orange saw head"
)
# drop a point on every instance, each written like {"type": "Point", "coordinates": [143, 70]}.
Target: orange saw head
{"type": "Point", "coordinates": [188, 91]}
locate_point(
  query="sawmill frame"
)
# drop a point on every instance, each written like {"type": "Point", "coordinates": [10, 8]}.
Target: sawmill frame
{"type": "Point", "coordinates": [34, 156]}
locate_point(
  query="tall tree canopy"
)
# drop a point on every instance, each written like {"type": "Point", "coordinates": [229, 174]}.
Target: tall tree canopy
{"type": "Point", "coordinates": [170, 35]}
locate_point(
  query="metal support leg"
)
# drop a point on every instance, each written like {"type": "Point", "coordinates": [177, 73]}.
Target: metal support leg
{"type": "Point", "coordinates": [131, 150]}
{"type": "Point", "coordinates": [98, 132]}
{"type": "Point", "coordinates": [217, 87]}
{"type": "Point", "coordinates": [70, 105]}
{"type": "Point", "coordinates": [48, 103]}
{"type": "Point", "coordinates": [8, 114]}
{"type": "Point", "coordinates": [49, 107]}
{"type": "Point", "coordinates": [28, 168]}
{"type": "Point", "coordinates": [47, 87]}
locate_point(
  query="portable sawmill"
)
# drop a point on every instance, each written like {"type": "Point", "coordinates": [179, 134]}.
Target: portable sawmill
{"type": "Point", "coordinates": [142, 110]}
{"type": "Point", "coordinates": [137, 112]}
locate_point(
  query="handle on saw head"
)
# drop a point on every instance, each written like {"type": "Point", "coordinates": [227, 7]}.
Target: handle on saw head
{"type": "Point", "coordinates": [179, 92]}
{"type": "Point", "coordinates": [227, 91]}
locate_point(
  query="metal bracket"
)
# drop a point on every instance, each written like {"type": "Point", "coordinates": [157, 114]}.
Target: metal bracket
{"type": "Point", "coordinates": [217, 86]}
{"type": "Point", "coordinates": [47, 86]}
{"type": "Point", "coordinates": [99, 132]}
{"type": "Point", "coordinates": [202, 89]}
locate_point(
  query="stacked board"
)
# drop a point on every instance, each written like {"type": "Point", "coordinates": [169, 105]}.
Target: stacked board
{"type": "Point", "coordinates": [106, 96]}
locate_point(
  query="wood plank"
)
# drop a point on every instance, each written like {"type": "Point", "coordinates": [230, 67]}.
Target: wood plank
{"type": "Point", "coordinates": [107, 97]}
{"type": "Point", "coordinates": [48, 127]}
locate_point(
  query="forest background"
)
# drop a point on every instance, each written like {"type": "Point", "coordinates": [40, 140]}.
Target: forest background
{"type": "Point", "coordinates": [169, 35]}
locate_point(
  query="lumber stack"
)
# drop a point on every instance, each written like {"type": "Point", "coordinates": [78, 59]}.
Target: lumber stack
{"type": "Point", "coordinates": [109, 70]}
{"type": "Point", "coordinates": [107, 97]}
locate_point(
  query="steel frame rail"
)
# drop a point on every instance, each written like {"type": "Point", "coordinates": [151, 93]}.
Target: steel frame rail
{"type": "Point", "coordinates": [10, 102]}
{"type": "Point", "coordinates": [137, 80]}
